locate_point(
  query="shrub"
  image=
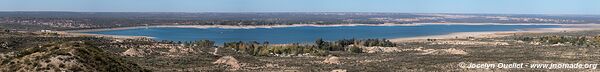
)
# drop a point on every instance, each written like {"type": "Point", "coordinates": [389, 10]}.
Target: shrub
{"type": "Point", "coordinates": [355, 49]}
{"type": "Point", "coordinates": [204, 43]}
{"type": "Point", "coordinates": [596, 39]}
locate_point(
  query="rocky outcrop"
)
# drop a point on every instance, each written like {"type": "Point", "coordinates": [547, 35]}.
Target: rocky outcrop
{"type": "Point", "coordinates": [180, 49]}
{"type": "Point", "coordinates": [332, 60]}
{"type": "Point", "coordinates": [228, 60]}
{"type": "Point", "coordinates": [135, 52]}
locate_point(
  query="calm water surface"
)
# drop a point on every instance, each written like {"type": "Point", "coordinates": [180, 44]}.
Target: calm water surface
{"type": "Point", "coordinates": [309, 34]}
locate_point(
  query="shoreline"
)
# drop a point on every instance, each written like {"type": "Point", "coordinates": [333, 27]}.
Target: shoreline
{"type": "Point", "coordinates": [305, 25]}
{"type": "Point", "coordinates": [102, 35]}
{"type": "Point", "coordinates": [235, 27]}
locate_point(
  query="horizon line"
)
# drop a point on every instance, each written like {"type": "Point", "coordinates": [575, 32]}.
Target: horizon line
{"type": "Point", "coordinates": [293, 12]}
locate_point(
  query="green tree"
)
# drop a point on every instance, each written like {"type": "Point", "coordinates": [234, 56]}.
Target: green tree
{"type": "Point", "coordinates": [319, 42]}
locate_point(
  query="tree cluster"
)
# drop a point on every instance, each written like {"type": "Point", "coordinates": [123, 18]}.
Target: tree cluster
{"type": "Point", "coordinates": [264, 49]}
{"type": "Point", "coordinates": [344, 43]}
{"type": "Point", "coordinates": [320, 47]}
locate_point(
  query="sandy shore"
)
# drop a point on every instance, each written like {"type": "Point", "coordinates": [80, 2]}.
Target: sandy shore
{"type": "Point", "coordinates": [491, 34]}
{"type": "Point", "coordinates": [101, 35]}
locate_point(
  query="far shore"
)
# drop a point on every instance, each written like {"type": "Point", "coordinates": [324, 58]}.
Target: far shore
{"type": "Point", "coordinates": [236, 26]}
{"type": "Point", "coordinates": [487, 34]}
{"type": "Point", "coordinates": [310, 25]}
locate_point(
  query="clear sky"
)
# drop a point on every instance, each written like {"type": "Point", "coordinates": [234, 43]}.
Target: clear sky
{"type": "Point", "coordinates": [400, 6]}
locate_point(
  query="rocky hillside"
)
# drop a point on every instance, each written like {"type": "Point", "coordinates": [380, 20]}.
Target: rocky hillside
{"type": "Point", "coordinates": [65, 56]}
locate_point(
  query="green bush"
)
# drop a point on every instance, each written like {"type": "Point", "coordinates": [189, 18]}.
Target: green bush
{"type": "Point", "coordinates": [596, 39]}
{"type": "Point", "coordinates": [204, 43]}
{"type": "Point", "coordinates": [355, 49]}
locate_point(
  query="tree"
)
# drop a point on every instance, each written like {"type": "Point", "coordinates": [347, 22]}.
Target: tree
{"type": "Point", "coordinates": [319, 42]}
{"type": "Point", "coordinates": [4, 30]}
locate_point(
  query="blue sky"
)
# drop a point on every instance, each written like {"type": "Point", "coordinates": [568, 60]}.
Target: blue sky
{"type": "Point", "coordinates": [400, 6]}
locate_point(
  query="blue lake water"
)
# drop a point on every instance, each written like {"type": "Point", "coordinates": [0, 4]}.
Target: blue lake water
{"type": "Point", "coordinates": [307, 33]}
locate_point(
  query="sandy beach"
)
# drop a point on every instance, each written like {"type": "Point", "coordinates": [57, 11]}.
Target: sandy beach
{"type": "Point", "coordinates": [101, 35]}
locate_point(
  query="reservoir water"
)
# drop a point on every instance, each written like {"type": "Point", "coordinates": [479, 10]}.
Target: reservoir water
{"type": "Point", "coordinates": [304, 34]}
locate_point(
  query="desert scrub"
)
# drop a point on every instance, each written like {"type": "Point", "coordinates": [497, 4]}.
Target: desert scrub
{"type": "Point", "coordinates": [585, 41]}
{"type": "Point", "coordinates": [67, 56]}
